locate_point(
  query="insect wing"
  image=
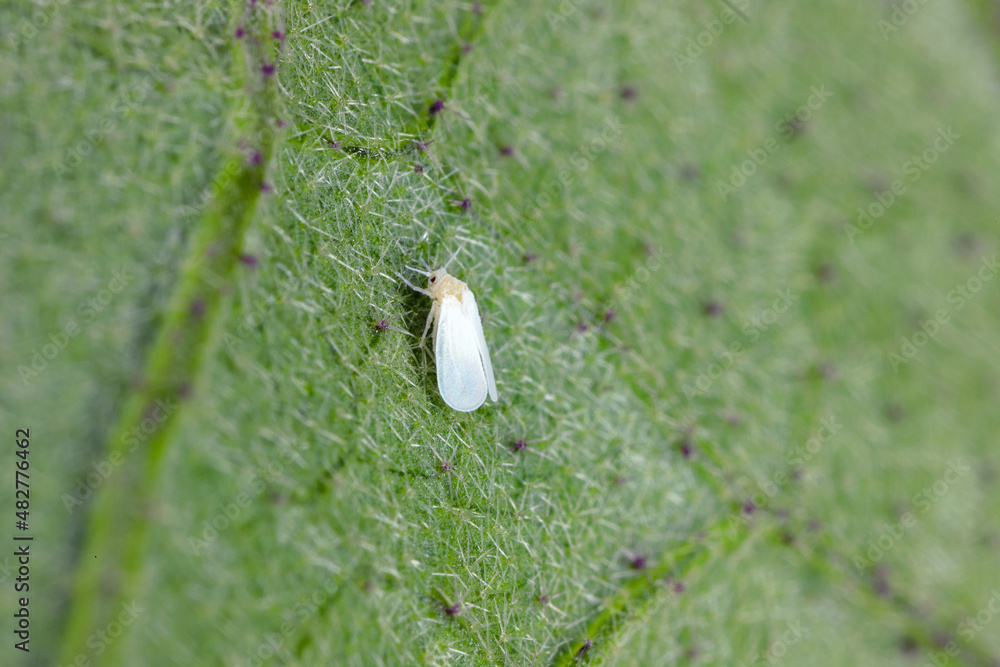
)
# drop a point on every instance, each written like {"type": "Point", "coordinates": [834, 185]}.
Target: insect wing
{"type": "Point", "coordinates": [461, 375]}
{"type": "Point", "coordinates": [472, 315]}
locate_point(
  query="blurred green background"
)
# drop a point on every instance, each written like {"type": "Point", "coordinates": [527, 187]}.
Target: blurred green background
{"type": "Point", "coordinates": [736, 262]}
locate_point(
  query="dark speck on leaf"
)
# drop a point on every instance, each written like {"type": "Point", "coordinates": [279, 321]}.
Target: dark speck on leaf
{"type": "Point", "coordinates": [908, 645]}
{"type": "Point", "coordinates": [609, 316]}
{"type": "Point", "coordinates": [418, 169]}
{"type": "Point", "coordinates": [581, 327]}
{"type": "Point", "coordinates": [881, 582]}
{"type": "Point", "coordinates": [198, 307]}
{"type": "Point", "coordinates": [453, 609]}
{"type": "Point", "coordinates": [519, 445]}
{"type": "Point", "coordinates": [690, 172]}
{"type": "Point", "coordinates": [825, 273]}
{"type": "Point", "coordinates": [749, 507]}
{"type": "Point", "coordinates": [686, 449]}
{"type": "Point", "coordinates": [256, 158]}
{"type": "Point", "coordinates": [713, 308]}
{"type": "Point", "coordinates": [277, 34]}
{"type": "Point", "coordinates": [679, 587]}
{"type": "Point", "coordinates": [587, 645]}
{"type": "Point", "coordinates": [528, 258]}
{"type": "Point", "coordinates": [335, 145]}
{"type": "Point", "coordinates": [265, 187]}
{"type": "Point", "coordinates": [467, 48]}
{"type": "Point", "coordinates": [267, 69]}
{"type": "Point", "coordinates": [637, 562]}
{"type": "Point", "coordinates": [506, 150]}
{"type": "Point", "coordinates": [629, 93]}
{"type": "Point", "coordinates": [827, 370]}
{"type": "Point", "coordinates": [249, 260]}
{"type": "Point", "coordinates": [436, 107]}
{"type": "Point", "coordinates": [240, 32]}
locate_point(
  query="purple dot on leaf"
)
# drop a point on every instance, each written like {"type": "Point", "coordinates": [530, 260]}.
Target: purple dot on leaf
{"type": "Point", "coordinates": [587, 645]}
{"type": "Point", "coordinates": [267, 69]}
{"type": "Point", "coordinates": [686, 449]}
{"type": "Point", "coordinates": [528, 258]}
{"type": "Point", "coordinates": [240, 32]}
{"type": "Point", "coordinates": [506, 150]}
{"type": "Point", "coordinates": [436, 107]}
{"type": "Point", "coordinates": [690, 172]}
{"type": "Point", "coordinates": [519, 445]}
{"type": "Point", "coordinates": [608, 316]}
{"type": "Point", "coordinates": [265, 187]}
{"type": "Point", "coordinates": [713, 308]}
{"type": "Point", "coordinates": [581, 327]}
{"type": "Point", "coordinates": [453, 609]}
{"type": "Point", "coordinates": [749, 507]}
{"type": "Point", "coordinates": [543, 599]}
{"type": "Point", "coordinates": [477, 8]}
{"type": "Point", "coordinates": [467, 48]}
{"type": "Point", "coordinates": [679, 587]}
{"type": "Point", "coordinates": [629, 92]}
{"type": "Point", "coordinates": [418, 169]}
{"type": "Point", "coordinates": [198, 307]}
{"type": "Point", "coordinates": [637, 562]}
{"type": "Point", "coordinates": [249, 260]}
{"type": "Point", "coordinates": [381, 325]}
{"type": "Point", "coordinates": [277, 34]}
{"type": "Point", "coordinates": [335, 145]}
{"type": "Point", "coordinates": [256, 158]}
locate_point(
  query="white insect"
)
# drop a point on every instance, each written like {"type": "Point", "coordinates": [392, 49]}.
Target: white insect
{"type": "Point", "coordinates": [464, 369]}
